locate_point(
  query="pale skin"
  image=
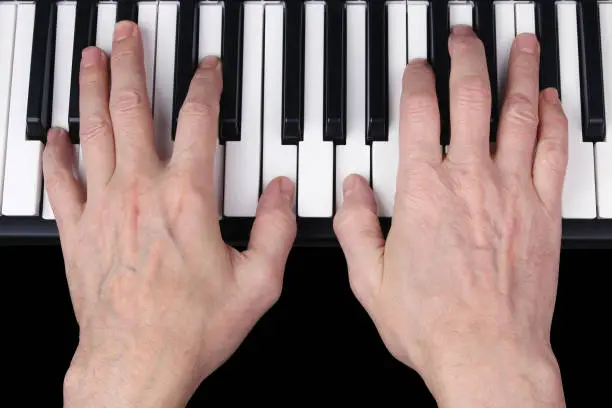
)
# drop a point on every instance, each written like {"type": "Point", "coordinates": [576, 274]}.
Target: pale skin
{"type": "Point", "coordinates": [462, 290]}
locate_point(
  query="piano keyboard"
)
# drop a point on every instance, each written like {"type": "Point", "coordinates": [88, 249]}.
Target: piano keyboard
{"type": "Point", "coordinates": [311, 92]}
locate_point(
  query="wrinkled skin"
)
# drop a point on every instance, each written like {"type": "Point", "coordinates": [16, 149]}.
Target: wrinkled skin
{"type": "Point", "coordinates": [468, 272]}
{"type": "Point", "coordinates": [161, 301]}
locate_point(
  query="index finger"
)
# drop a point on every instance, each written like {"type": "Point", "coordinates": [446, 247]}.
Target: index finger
{"type": "Point", "coordinates": [470, 97]}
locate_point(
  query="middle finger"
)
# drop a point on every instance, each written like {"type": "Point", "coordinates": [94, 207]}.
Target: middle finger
{"type": "Point", "coordinates": [129, 104]}
{"type": "Point", "coordinates": [470, 97]}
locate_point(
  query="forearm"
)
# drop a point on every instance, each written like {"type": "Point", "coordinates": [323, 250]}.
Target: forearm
{"type": "Point", "coordinates": [502, 381]}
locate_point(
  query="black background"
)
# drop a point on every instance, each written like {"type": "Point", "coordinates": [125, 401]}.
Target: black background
{"type": "Point", "coordinates": [317, 345]}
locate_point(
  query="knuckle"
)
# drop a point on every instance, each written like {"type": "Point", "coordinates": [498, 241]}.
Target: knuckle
{"type": "Point", "coordinates": [94, 127]}
{"type": "Point", "coordinates": [90, 77]}
{"type": "Point", "coordinates": [420, 105]}
{"type": "Point", "coordinates": [122, 54]}
{"type": "Point", "coordinates": [126, 100]}
{"type": "Point", "coordinates": [473, 90]}
{"type": "Point", "coordinates": [559, 122]}
{"type": "Point", "coordinates": [186, 194]}
{"type": "Point", "coordinates": [55, 175]}
{"type": "Point", "coordinates": [204, 110]}
{"type": "Point", "coordinates": [278, 219]}
{"type": "Point", "coordinates": [525, 65]}
{"type": "Point", "coordinates": [270, 287]}
{"type": "Point", "coordinates": [360, 286]}
{"type": "Point", "coordinates": [265, 286]}
{"type": "Point", "coordinates": [514, 185]}
{"type": "Point", "coordinates": [555, 154]}
{"type": "Point", "coordinates": [351, 219]}
{"type": "Point", "coordinates": [51, 155]}
{"type": "Point", "coordinates": [521, 110]}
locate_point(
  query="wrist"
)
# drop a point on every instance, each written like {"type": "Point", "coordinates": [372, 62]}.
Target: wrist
{"type": "Point", "coordinates": [125, 381]}
{"type": "Point", "coordinates": [499, 377]}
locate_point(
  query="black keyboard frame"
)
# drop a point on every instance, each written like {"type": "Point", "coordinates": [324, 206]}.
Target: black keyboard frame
{"type": "Point", "coordinates": [312, 232]}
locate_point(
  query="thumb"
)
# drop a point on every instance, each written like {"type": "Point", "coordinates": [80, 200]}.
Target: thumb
{"type": "Point", "coordinates": [272, 236]}
{"type": "Point", "coordinates": [358, 229]}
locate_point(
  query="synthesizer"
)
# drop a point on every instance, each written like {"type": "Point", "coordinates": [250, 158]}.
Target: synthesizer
{"type": "Point", "coordinates": [311, 92]}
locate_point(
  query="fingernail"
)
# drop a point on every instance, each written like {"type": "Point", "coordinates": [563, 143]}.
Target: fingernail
{"type": "Point", "coordinates": [462, 29]}
{"type": "Point", "coordinates": [55, 133]}
{"type": "Point", "coordinates": [286, 188]}
{"type": "Point", "coordinates": [552, 95]}
{"type": "Point", "coordinates": [209, 62]}
{"type": "Point", "coordinates": [418, 61]}
{"type": "Point", "coordinates": [90, 56]}
{"type": "Point", "coordinates": [350, 184]}
{"type": "Point", "coordinates": [123, 30]}
{"type": "Point", "coordinates": [527, 43]}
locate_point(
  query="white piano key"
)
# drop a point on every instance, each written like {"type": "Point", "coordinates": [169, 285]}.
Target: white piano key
{"type": "Point", "coordinates": [8, 14]}
{"type": "Point", "coordinates": [460, 14]}
{"type": "Point", "coordinates": [64, 41]}
{"type": "Point", "coordinates": [242, 158]}
{"type": "Point", "coordinates": [385, 155]}
{"type": "Point", "coordinates": [147, 23]}
{"type": "Point", "coordinates": [164, 77]}
{"type": "Point", "coordinates": [579, 188]}
{"type": "Point", "coordinates": [603, 153]}
{"type": "Point", "coordinates": [354, 156]}
{"type": "Point", "coordinates": [525, 18]}
{"type": "Point", "coordinates": [278, 159]}
{"type": "Point", "coordinates": [105, 27]}
{"type": "Point", "coordinates": [316, 157]}
{"type": "Point", "coordinates": [504, 37]}
{"type": "Point", "coordinates": [603, 150]}
{"type": "Point", "coordinates": [23, 174]}
{"type": "Point", "coordinates": [211, 26]}
{"type": "Point", "coordinates": [417, 30]}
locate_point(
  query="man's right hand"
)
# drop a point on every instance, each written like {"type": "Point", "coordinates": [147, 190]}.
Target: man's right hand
{"type": "Point", "coordinates": [463, 290]}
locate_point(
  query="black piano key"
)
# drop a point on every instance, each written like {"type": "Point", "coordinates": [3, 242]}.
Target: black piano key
{"type": "Point", "coordinates": [127, 10]}
{"type": "Point", "coordinates": [231, 98]}
{"type": "Point", "coordinates": [484, 21]}
{"type": "Point", "coordinates": [439, 59]}
{"type": "Point", "coordinates": [40, 95]}
{"type": "Point", "coordinates": [378, 104]}
{"type": "Point", "coordinates": [84, 36]}
{"type": "Point", "coordinates": [546, 28]}
{"type": "Point", "coordinates": [293, 114]}
{"type": "Point", "coordinates": [186, 61]}
{"type": "Point", "coordinates": [335, 61]}
{"type": "Point", "coordinates": [591, 72]}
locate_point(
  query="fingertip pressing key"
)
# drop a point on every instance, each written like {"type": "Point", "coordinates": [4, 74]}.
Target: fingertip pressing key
{"type": "Point", "coordinates": [528, 43]}
{"type": "Point", "coordinates": [55, 134]}
{"type": "Point", "coordinates": [461, 30]}
{"type": "Point", "coordinates": [286, 188]}
{"type": "Point", "coordinates": [209, 62]}
{"type": "Point", "coordinates": [551, 95]}
{"type": "Point", "coordinates": [124, 29]}
{"type": "Point", "coordinates": [90, 57]}
{"type": "Point", "coordinates": [418, 61]}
